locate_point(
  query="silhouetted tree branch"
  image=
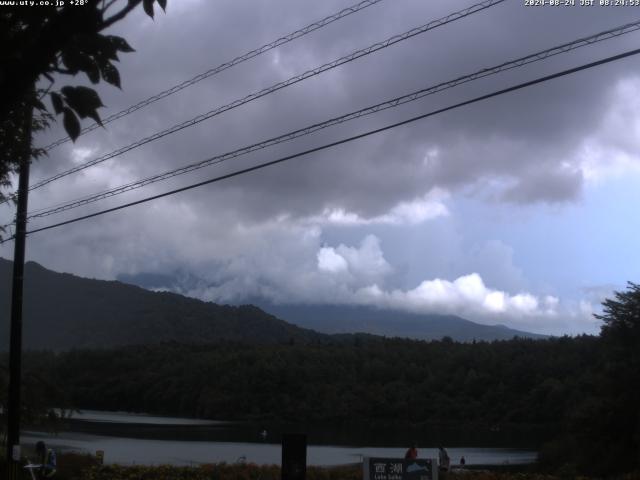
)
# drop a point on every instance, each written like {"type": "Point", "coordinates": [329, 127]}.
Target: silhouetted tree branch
{"type": "Point", "coordinates": [44, 42]}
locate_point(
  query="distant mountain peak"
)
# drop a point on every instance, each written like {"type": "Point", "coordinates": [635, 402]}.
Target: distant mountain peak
{"type": "Point", "coordinates": [63, 311]}
{"type": "Point", "coordinates": [347, 319]}
{"type": "Point", "coordinates": [334, 319]}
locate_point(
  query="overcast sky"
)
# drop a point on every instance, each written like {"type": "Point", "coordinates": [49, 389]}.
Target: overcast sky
{"type": "Point", "coordinates": [518, 210]}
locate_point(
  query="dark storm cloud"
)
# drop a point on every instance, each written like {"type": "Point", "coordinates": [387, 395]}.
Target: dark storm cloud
{"type": "Point", "coordinates": [373, 175]}
{"type": "Point", "coordinates": [257, 230]}
{"type": "Point", "coordinates": [551, 186]}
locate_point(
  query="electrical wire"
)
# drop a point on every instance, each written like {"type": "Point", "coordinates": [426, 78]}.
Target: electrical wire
{"type": "Point", "coordinates": [344, 140]}
{"type": "Point", "coordinates": [224, 66]}
{"type": "Point", "coordinates": [280, 85]}
{"type": "Point", "coordinates": [519, 62]}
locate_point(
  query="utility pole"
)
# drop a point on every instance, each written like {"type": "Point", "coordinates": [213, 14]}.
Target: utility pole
{"type": "Point", "coordinates": [15, 346]}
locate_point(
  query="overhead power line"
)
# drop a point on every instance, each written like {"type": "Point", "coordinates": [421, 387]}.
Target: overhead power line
{"type": "Point", "coordinates": [224, 66]}
{"type": "Point", "coordinates": [345, 140]}
{"type": "Point", "coordinates": [280, 85]}
{"type": "Point", "coordinates": [528, 59]}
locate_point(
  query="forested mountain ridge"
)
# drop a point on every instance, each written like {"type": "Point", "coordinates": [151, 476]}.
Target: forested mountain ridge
{"type": "Point", "coordinates": [63, 311]}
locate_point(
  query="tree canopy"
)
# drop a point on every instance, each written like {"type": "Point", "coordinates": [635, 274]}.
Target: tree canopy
{"type": "Point", "coordinates": [621, 315]}
{"type": "Point", "coordinates": [37, 47]}
{"type": "Point", "coordinates": [579, 390]}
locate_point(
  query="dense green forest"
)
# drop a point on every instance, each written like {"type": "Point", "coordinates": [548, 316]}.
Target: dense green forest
{"type": "Point", "coordinates": [586, 386]}
{"type": "Point", "coordinates": [519, 381]}
{"type": "Point", "coordinates": [529, 382]}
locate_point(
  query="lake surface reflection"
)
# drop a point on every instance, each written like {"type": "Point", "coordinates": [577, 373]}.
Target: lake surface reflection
{"type": "Point", "coordinates": [150, 440]}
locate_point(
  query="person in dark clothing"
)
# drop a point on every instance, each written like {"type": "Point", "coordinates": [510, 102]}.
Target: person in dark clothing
{"type": "Point", "coordinates": [444, 460]}
{"type": "Point", "coordinates": [412, 453]}
{"type": "Point", "coordinates": [47, 458]}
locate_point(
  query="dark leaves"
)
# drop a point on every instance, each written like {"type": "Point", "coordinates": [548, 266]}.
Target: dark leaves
{"type": "Point", "coordinates": [85, 101]}
{"type": "Point", "coordinates": [110, 74]}
{"type": "Point", "coordinates": [87, 54]}
{"type": "Point", "coordinates": [148, 7]}
{"type": "Point", "coordinates": [56, 100]}
{"type": "Point", "coordinates": [39, 152]}
{"type": "Point", "coordinates": [93, 72]}
{"type": "Point", "coordinates": [82, 99]}
{"type": "Point", "coordinates": [95, 117]}
{"type": "Point", "coordinates": [76, 102]}
{"type": "Point", "coordinates": [72, 59]}
{"type": "Point", "coordinates": [99, 46]}
{"type": "Point", "coordinates": [163, 4]}
{"type": "Point", "coordinates": [120, 43]}
{"type": "Point", "coordinates": [71, 124]}
{"type": "Point", "coordinates": [39, 105]}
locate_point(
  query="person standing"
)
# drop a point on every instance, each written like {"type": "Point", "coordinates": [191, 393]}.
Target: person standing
{"type": "Point", "coordinates": [412, 453]}
{"type": "Point", "coordinates": [47, 458]}
{"type": "Point", "coordinates": [444, 460]}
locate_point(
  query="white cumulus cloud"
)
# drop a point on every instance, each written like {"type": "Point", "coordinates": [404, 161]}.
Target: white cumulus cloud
{"type": "Point", "coordinates": [365, 263]}
{"type": "Point", "coordinates": [466, 295]}
{"type": "Point", "coordinates": [330, 261]}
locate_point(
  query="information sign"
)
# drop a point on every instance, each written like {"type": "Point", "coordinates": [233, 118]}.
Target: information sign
{"type": "Point", "coordinates": [399, 469]}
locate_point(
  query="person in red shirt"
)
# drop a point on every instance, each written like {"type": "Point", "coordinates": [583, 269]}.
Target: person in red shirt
{"type": "Point", "coordinates": [412, 453]}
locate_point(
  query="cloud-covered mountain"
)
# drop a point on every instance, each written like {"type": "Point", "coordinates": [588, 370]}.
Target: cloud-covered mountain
{"type": "Point", "coordinates": [340, 319]}
{"type": "Point", "coordinates": [63, 311]}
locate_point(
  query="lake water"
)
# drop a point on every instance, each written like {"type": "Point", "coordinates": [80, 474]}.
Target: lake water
{"type": "Point", "coordinates": [150, 440]}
